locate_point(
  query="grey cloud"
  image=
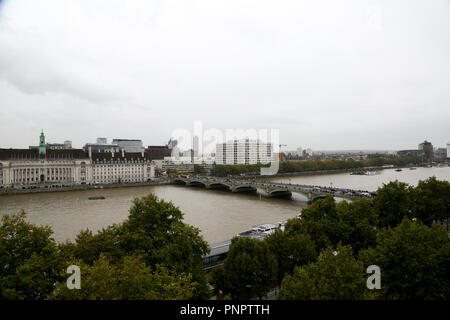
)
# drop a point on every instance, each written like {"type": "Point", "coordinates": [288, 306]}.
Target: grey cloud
{"type": "Point", "coordinates": [317, 70]}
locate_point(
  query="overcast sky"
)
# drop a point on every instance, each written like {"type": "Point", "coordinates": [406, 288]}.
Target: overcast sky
{"type": "Point", "coordinates": [328, 74]}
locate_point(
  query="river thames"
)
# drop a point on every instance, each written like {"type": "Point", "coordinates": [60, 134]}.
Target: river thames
{"type": "Point", "coordinates": [218, 214]}
{"type": "Point", "coordinates": [367, 182]}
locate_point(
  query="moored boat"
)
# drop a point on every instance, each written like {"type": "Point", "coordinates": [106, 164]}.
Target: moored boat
{"type": "Point", "coordinates": [96, 198]}
{"type": "Point", "coordinates": [261, 231]}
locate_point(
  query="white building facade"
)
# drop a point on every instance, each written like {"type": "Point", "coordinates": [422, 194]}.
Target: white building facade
{"type": "Point", "coordinates": [244, 151]}
{"type": "Point", "coordinates": [121, 167]}
{"type": "Point", "coordinates": [22, 167]}
{"type": "Point", "coordinates": [25, 167]}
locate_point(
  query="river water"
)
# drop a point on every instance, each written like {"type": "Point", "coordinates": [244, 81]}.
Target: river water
{"type": "Point", "coordinates": [219, 215]}
{"type": "Point", "coordinates": [368, 182]}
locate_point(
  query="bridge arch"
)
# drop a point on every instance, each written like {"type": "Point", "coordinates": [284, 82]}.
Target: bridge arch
{"type": "Point", "coordinates": [197, 183]}
{"type": "Point", "coordinates": [219, 186]}
{"type": "Point", "coordinates": [280, 193]}
{"type": "Point", "coordinates": [244, 188]}
{"type": "Point", "coordinates": [179, 181]}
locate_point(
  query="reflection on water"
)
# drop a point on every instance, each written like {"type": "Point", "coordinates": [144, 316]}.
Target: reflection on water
{"type": "Point", "coordinates": [219, 215]}
{"type": "Point", "coordinates": [368, 182]}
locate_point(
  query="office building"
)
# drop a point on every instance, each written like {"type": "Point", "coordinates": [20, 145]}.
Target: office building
{"type": "Point", "coordinates": [427, 148]}
{"type": "Point", "coordinates": [158, 152]}
{"type": "Point", "coordinates": [129, 145]}
{"type": "Point", "coordinates": [101, 146]}
{"type": "Point", "coordinates": [243, 151]}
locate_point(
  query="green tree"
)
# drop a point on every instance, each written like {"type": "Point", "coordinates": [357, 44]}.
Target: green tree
{"type": "Point", "coordinates": [432, 200]}
{"type": "Point", "coordinates": [393, 202]}
{"type": "Point", "coordinates": [154, 229]}
{"type": "Point", "coordinates": [357, 223]}
{"type": "Point", "coordinates": [336, 275]}
{"type": "Point", "coordinates": [29, 260]}
{"type": "Point", "coordinates": [199, 169]}
{"type": "Point", "coordinates": [290, 250]}
{"type": "Point", "coordinates": [250, 269]}
{"type": "Point", "coordinates": [414, 261]}
{"type": "Point", "coordinates": [328, 223]}
{"type": "Point", "coordinates": [88, 247]}
{"type": "Point", "coordinates": [315, 229]}
{"type": "Point", "coordinates": [130, 279]}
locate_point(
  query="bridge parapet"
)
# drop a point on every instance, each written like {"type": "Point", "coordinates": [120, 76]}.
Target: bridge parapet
{"type": "Point", "coordinates": [239, 186]}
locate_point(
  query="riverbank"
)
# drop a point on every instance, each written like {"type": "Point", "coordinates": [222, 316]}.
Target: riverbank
{"type": "Point", "coordinates": [332, 171]}
{"type": "Point", "coordinates": [315, 172]}
{"type": "Point", "coordinates": [369, 182]}
{"type": "Point", "coordinates": [81, 187]}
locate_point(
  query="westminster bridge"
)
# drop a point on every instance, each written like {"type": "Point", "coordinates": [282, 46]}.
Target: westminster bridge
{"type": "Point", "coordinates": [270, 189]}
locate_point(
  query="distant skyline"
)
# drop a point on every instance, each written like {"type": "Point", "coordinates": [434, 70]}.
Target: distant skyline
{"type": "Point", "coordinates": [283, 149]}
{"type": "Point", "coordinates": [330, 75]}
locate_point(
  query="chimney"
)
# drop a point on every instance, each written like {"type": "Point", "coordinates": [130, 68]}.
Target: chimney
{"type": "Point", "coordinates": [90, 152]}
{"type": "Point", "coordinates": [123, 153]}
{"type": "Point", "coordinates": [142, 151]}
{"type": "Point", "coordinates": [112, 152]}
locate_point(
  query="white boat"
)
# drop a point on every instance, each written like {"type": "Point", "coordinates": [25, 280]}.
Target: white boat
{"type": "Point", "coordinates": [260, 231]}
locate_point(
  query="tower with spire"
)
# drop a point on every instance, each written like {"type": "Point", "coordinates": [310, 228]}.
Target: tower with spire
{"type": "Point", "coordinates": [42, 148]}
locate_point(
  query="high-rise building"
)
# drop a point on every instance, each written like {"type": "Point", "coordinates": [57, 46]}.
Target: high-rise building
{"type": "Point", "coordinates": [427, 148]}
{"type": "Point", "coordinates": [195, 146]}
{"type": "Point", "coordinates": [243, 151]}
{"type": "Point", "coordinates": [158, 152]}
{"type": "Point", "coordinates": [101, 146]}
{"type": "Point", "coordinates": [129, 145]}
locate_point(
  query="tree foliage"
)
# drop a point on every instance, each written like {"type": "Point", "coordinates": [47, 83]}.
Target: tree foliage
{"type": "Point", "coordinates": [153, 253]}
{"type": "Point", "coordinates": [432, 200]}
{"type": "Point", "coordinates": [290, 250]}
{"type": "Point", "coordinates": [393, 202]}
{"type": "Point", "coordinates": [336, 275]}
{"type": "Point", "coordinates": [155, 230]}
{"type": "Point", "coordinates": [130, 279]}
{"type": "Point", "coordinates": [414, 261]}
{"type": "Point", "coordinates": [29, 260]}
{"type": "Point", "coordinates": [250, 269]}
{"type": "Point", "coordinates": [329, 223]}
